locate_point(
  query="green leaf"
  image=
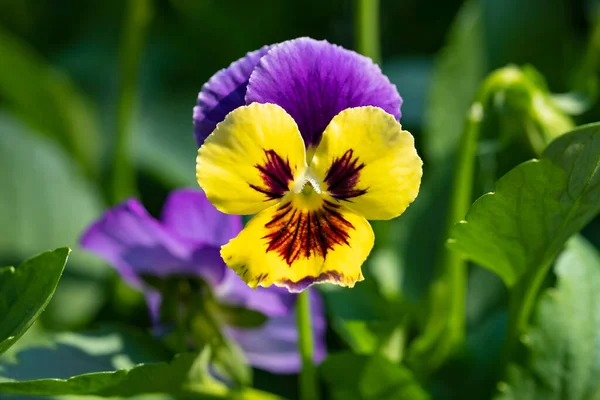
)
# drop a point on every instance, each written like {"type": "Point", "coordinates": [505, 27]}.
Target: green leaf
{"type": "Point", "coordinates": [47, 100]}
{"type": "Point", "coordinates": [110, 362]}
{"type": "Point", "coordinates": [357, 316]}
{"type": "Point", "coordinates": [47, 203]}
{"type": "Point", "coordinates": [146, 378]}
{"type": "Point", "coordinates": [458, 72]}
{"type": "Point", "coordinates": [357, 334]}
{"type": "Point", "coordinates": [563, 345]}
{"type": "Point", "coordinates": [351, 376]}
{"type": "Point", "coordinates": [25, 291]}
{"type": "Point", "coordinates": [536, 207]}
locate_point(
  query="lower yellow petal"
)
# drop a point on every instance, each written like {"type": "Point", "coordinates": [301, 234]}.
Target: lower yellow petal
{"type": "Point", "coordinates": [251, 159]}
{"type": "Point", "coordinates": [296, 244]}
{"type": "Point", "coordinates": [367, 161]}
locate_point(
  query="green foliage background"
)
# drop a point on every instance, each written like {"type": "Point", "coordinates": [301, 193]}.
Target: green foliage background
{"type": "Point", "coordinates": [62, 65]}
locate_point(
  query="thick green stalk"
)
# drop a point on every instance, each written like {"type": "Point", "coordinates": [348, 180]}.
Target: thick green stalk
{"type": "Point", "coordinates": [135, 26]}
{"type": "Point", "coordinates": [455, 265]}
{"type": "Point", "coordinates": [309, 388]}
{"type": "Point", "coordinates": [367, 28]}
{"type": "Point", "coordinates": [522, 301]}
{"type": "Point", "coordinates": [450, 286]}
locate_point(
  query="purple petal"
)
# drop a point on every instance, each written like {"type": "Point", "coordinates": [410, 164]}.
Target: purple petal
{"type": "Point", "coordinates": [189, 213]}
{"type": "Point", "coordinates": [224, 92]}
{"type": "Point", "coordinates": [154, 302]}
{"type": "Point", "coordinates": [271, 301]}
{"type": "Point", "coordinates": [133, 242]}
{"type": "Point", "coordinates": [274, 346]}
{"type": "Point", "coordinates": [315, 80]}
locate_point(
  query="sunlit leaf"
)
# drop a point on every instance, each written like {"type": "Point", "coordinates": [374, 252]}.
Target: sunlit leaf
{"type": "Point", "coordinates": [563, 345]}
{"type": "Point", "coordinates": [110, 362]}
{"type": "Point", "coordinates": [536, 207]}
{"type": "Point", "coordinates": [25, 291]}
{"type": "Point", "coordinates": [47, 203]}
{"type": "Point", "coordinates": [47, 100]}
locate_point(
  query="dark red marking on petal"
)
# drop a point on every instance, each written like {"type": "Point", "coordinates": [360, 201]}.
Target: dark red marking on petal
{"type": "Point", "coordinates": [296, 234]}
{"type": "Point", "coordinates": [343, 175]}
{"type": "Point", "coordinates": [276, 175]}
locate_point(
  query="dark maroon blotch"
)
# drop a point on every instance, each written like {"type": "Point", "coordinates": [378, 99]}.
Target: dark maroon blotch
{"type": "Point", "coordinates": [342, 177]}
{"type": "Point", "coordinates": [276, 175]}
{"type": "Point", "coordinates": [294, 234]}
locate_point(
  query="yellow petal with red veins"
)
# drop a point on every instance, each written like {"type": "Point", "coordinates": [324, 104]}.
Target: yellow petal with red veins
{"type": "Point", "coordinates": [301, 241]}
{"type": "Point", "coordinates": [251, 159]}
{"type": "Point", "coordinates": [368, 163]}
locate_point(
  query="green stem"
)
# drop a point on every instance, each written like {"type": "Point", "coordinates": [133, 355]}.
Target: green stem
{"type": "Point", "coordinates": [521, 304]}
{"type": "Point", "coordinates": [309, 389]}
{"type": "Point", "coordinates": [450, 285]}
{"type": "Point", "coordinates": [367, 28]}
{"type": "Point", "coordinates": [135, 26]}
{"type": "Point", "coordinates": [192, 392]}
{"type": "Point", "coordinates": [455, 265]}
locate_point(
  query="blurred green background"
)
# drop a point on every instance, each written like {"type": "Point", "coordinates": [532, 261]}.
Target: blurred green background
{"type": "Point", "coordinates": [73, 74]}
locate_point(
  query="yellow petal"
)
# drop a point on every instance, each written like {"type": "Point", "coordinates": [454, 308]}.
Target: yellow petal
{"type": "Point", "coordinates": [367, 162]}
{"type": "Point", "coordinates": [251, 159]}
{"type": "Point", "coordinates": [297, 243]}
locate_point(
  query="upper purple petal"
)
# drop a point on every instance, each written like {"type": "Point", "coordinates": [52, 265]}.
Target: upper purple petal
{"type": "Point", "coordinates": [274, 346]}
{"type": "Point", "coordinates": [315, 80]}
{"type": "Point", "coordinates": [224, 92]}
{"type": "Point", "coordinates": [189, 213]}
{"type": "Point", "coordinates": [132, 241]}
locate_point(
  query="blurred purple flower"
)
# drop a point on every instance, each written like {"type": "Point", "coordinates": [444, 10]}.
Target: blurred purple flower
{"type": "Point", "coordinates": [186, 241]}
{"type": "Point", "coordinates": [312, 80]}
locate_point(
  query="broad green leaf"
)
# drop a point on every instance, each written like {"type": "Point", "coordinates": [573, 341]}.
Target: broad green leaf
{"type": "Point", "coordinates": [457, 74]}
{"type": "Point", "coordinates": [563, 344]}
{"type": "Point", "coordinates": [47, 203]}
{"type": "Point", "coordinates": [110, 362]}
{"type": "Point", "coordinates": [47, 100]}
{"type": "Point", "coordinates": [145, 378]}
{"type": "Point", "coordinates": [536, 207]}
{"type": "Point", "coordinates": [351, 376]}
{"type": "Point", "coordinates": [25, 291]}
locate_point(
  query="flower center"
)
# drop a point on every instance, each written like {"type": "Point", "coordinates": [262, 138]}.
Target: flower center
{"type": "Point", "coordinates": [308, 185]}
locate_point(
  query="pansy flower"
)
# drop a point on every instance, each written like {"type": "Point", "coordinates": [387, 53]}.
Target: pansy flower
{"type": "Point", "coordinates": [186, 241]}
{"type": "Point", "coordinates": [305, 134]}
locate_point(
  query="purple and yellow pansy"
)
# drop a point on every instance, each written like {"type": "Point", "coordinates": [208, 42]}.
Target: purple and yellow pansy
{"type": "Point", "coordinates": [185, 242]}
{"type": "Point", "coordinates": [305, 134]}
